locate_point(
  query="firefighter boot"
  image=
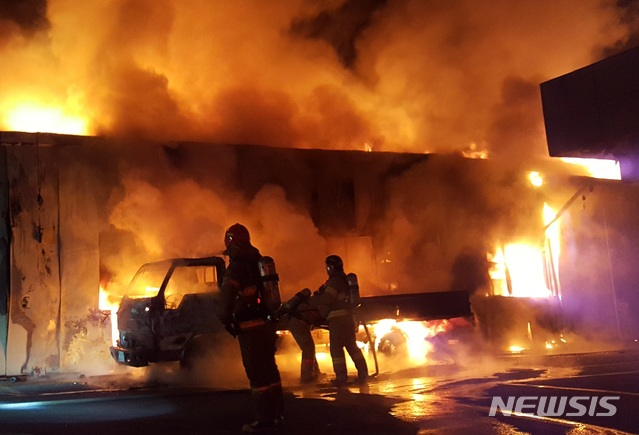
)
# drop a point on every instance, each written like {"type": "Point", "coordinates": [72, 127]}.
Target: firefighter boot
{"type": "Point", "coordinates": [270, 407]}
{"type": "Point", "coordinates": [316, 370]}
{"type": "Point", "coordinates": [308, 372]}
{"type": "Point", "coordinates": [263, 426]}
{"type": "Point", "coordinates": [341, 373]}
{"type": "Point", "coordinates": [362, 368]}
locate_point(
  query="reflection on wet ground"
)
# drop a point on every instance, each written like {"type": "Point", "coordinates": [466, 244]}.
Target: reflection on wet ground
{"type": "Point", "coordinates": [450, 399]}
{"type": "Point", "coordinates": [435, 398]}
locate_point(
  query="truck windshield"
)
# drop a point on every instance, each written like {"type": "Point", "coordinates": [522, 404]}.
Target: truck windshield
{"type": "Point", "coordinates": [189, 280]}
{"type": "Point", "coordinates": [147, 281]}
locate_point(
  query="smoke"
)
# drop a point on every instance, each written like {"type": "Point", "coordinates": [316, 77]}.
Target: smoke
{"type": "Point", "coordinates": [22, 17]}
{"type": "Point", "coordinates": [448, 206]}
{"type": "Point", "coordinates": [185, 219]}
{"type": "Point", "coordinates": [400, 75]}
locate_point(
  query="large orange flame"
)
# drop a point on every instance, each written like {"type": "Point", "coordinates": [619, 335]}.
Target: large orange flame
{"type": "Point", "coordinates": [39, 118]}
{"type": "Point", "coordinates": [106, 303]}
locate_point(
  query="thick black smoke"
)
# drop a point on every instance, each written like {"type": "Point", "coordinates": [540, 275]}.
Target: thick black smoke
{"type": "Point", "coordinates": [27, 15]}
{"type": "Point", "coordinates": [340, 27]}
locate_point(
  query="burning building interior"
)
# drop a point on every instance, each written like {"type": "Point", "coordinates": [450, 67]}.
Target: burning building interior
{"type": "Point", "coordinates": [83, 213]}
{"type": "Point", "coordinates": [404, 136]}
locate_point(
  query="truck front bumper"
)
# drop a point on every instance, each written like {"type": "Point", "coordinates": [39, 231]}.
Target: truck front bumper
{"type": "Point", "coordinates": [127, 357]}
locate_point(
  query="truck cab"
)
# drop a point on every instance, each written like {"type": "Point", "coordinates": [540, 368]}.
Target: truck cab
{"type": "Point", "coordinates": [168, 308]}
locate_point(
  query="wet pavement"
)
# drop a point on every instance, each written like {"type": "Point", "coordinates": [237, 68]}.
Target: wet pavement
{"type": "Point", "coordinates": [442, 398]}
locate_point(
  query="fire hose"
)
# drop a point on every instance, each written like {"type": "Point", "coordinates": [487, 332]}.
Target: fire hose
{"type": "Point", "coordinates": [372, 346]}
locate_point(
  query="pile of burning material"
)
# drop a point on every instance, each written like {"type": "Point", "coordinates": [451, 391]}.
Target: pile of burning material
{"type": "Point", "coordinates": [417, 328]}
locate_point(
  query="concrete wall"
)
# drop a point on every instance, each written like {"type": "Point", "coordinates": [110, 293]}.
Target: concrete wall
{"type": "Point", "coordinates": [34, 321]}
{"type": "Point", "coordinates": [80, 223]}
{"type": "Point", "coordinates": [4, 260]}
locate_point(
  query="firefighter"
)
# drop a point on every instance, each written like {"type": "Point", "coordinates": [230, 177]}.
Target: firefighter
{"type": "Point", "coordinates": [245, 316]}
{"type": "Point", "coordinates": [299, 317]}
{"type": "Point", "coordinates": [333, 303]}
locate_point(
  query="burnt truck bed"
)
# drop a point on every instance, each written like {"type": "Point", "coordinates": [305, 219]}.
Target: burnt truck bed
{"type": "Point", "coordinates": [415, 306]}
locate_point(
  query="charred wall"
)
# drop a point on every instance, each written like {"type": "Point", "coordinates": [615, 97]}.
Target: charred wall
{"type": "Point", "coordinates": [344, 191]}
{"type": "Point", "coordinates": [50, 255]}
{"type": "Point", "coordinates": [34, 297]}
{"type": "Point", "coordinates": [4, 257]}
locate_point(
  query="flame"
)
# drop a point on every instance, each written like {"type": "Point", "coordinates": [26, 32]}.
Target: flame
{"type": "Point", "coordinates": [414, 333]}
{"type": "Point", "coordinates": [597, 168]}
{"type": "Point", "coordinates": [474, 152]}
{"type": "Point", "coordinates": [106, 303]}
{"type": "Point", "coordinates": [518, 271]}
{"type": "Point", "coordinates": [527, 270]}
{"type": "Point", "coordinates": [525, 263]}
{"type": "Point", "coordinates": [110, 301]}
{"type": "Point", "coordinates": [535, 178]}
{"type": "Point", "coordinates": [32, 117]}
{"type": "Point", "coordinates": [192, 59]}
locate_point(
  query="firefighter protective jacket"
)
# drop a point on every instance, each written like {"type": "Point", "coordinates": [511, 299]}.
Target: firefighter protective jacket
{"type": "Point", "coordinates": [332, 298]}
{"type": "Point", "coordinates": [241, 287]}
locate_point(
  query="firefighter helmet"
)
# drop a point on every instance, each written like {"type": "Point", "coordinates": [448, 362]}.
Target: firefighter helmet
{"type": "Point", "coordinates": [334, 263]}
{"type": "Point", "coordinates": [237, 234]}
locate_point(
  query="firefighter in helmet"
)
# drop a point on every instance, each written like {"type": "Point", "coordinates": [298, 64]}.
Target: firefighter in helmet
{"type": "Point", "coordinates": [244, 316]}
{"type": "Point", "coordinates": [333, 303]}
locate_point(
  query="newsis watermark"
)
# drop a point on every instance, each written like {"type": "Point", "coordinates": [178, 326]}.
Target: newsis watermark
{"type": "Point", "coordinates": [555, 406]}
